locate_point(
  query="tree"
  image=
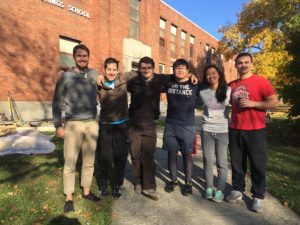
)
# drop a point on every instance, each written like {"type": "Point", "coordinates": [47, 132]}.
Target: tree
{"type": "Point", "coordinates": [290, 90]}
{"type": "Point", "coordinates": [269, 29]}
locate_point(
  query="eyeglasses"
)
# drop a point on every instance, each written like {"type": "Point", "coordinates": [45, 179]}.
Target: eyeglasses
{"type": "Point", "coordinates": [180, 68]}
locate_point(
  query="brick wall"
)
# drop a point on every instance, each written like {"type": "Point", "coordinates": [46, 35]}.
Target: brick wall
{"type": "Point", "coordinates": [30, 30]}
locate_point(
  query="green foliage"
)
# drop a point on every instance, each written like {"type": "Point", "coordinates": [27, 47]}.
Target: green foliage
{"type": "Point", "coordinates": [272, 27]}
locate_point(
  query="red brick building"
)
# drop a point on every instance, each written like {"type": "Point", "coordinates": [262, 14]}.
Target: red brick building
{"type": "Point", "coordinates": [37, 37]}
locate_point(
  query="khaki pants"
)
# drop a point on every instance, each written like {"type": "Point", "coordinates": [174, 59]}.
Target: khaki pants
{"type": "Point", "coordinates": [79, 135]}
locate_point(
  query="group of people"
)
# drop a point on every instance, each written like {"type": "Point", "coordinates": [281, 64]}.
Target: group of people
{"type": "Point", "coordinates": [121, 130]}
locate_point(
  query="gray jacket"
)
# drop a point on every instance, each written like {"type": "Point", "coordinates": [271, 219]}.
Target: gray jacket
{"type": "Point", "coordinates": [78, 92]}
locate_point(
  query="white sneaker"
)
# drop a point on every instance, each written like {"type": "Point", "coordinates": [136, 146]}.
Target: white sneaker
{"type": "Point", "coordinates": [257, 205]}
{"type": "Point", "coordinates": [234, 196]}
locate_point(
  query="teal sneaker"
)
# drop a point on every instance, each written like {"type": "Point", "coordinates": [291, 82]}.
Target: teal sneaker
{"type": "Point", "coordinates": [209, 193]}
{"type": "Point", "coordinates": [218, 196]}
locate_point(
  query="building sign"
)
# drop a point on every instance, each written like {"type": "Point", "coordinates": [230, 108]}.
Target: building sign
{"type": "Point", "coordinates": [71, 8]}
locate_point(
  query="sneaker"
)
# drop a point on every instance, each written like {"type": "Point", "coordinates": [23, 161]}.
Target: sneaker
{"type": "Point", "coordinates": [187, 190]}
{"type": "Point", "coordinates": [151, 193]}
{"type": "Point", "coordinates": [104, 193]}
{"type": "Point", "coordinates": [209, 193]}
{"type": "Point", "coordinates": [171, 185]}
{"type": "Point", "coordinates": [218, 196]}
{"type": "Point", "coordinates": [116, 192]}
{"type": "Point", "coordinates": [234, 196]}
{"type": "Point", "coordinates": [257, 205]}
{"type": "Point", "coordinates": [69, 207]}
{"type": "Point", "coordinates": [138, 188]}
{"type": "Point", "coordinates": [91, 197]}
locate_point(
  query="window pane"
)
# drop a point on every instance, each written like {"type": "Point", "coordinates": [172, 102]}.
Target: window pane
{"type": "Point", "coordinates": [173, 47]}
{"type": "Point", "coordinates": [173, 38]}
{"type": "Point", "coordinates": [162, 42]}
{"type": "Point", "coordinates": [183, 35]}
{"type": "Point", "coordinates": [192, 39]}
{"type": "Point", "coordinates": [162, 24]}
{"type": "Point", "coordinates": [182, 50]}
{"type": "Point", "coordinates": [134, 29]}
{"type": "Point", "coordinates": [162, 33]}
{"type": "Point", "coordinates": [161, 68]}
{"type": "Point", "coordinates": [135, 4]}
{"type": "Point", "coordinates": [191, 51]}
{"type": "Point", "coordinates": [134, 14]}
{"type": "Point", "coordinates": [66, 61]}
{"type": "Point", "coordinates": [173, 30]}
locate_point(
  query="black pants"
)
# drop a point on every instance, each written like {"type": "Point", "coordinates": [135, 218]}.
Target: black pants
{"type": "Point", "coordinates": [112, 151]}
{"type": "Point", "coordinates": [252, 145]}
{"type": "Point", "coordinates": [142, 138]}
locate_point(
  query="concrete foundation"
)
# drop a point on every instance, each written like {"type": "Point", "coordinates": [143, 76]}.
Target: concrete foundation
{"type": "Point", "coordinates": [30, 111]}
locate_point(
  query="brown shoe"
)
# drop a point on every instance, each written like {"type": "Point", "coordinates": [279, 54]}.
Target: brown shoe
{"type": "Point", "coordinates": [151, 193]}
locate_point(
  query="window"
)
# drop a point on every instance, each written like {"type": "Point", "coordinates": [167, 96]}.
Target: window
{"type": "Point", "coordinates": [161, 68]}
{"type": "Point", "coordinates": [182, 42]}
{"type": "Point", "coordinates": [135, 66]}
{"type": "Point", "coordinates": [208, 54]}
{"type": "Point", "coordinates": [66, 46]}
{"type": "Point", "coordinates": [213, 50]}
{"type": "Point", "coordinates": [192, 40]}
{"type": "Point", "coordinates": [173, 38]}
{"type": "Point", "coordinates": [134, 19]}
{"type": "Point", "coordinates": [206, 47]}
{"type": "Point", "coordinates": [171, 70]}
{"type": "Point", "coordinates": [162, 32]}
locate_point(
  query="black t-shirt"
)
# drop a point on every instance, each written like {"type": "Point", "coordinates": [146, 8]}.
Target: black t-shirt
{"type": "Point", "coordinates": [181, 98]}
{"type": "Point", "coordinates": [145, 98]}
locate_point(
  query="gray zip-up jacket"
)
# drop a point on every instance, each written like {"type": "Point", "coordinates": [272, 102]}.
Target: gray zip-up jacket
{"type": "Point", "coordinates": [78, 92]}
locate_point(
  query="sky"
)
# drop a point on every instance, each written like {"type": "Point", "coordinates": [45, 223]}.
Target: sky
{"type": "Point", "coordinates": [210, 15]}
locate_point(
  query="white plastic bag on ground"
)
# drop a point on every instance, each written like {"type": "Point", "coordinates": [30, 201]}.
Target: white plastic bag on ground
{"type": "Point", "coordinates": [26, 141]}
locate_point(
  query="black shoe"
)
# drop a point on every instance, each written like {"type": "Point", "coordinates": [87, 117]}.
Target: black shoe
{"type": "Point", "coordinates": [69, 207]}
{"type": "Point", "coordinates": [91, 197]}
{"type": "Point", "coordinates": [116, 192]}
{"type": "Point", "coordinates": [171, 185]}
{"type": "Point", "coordinates": [104, 193]}
{"type": "Point", "coordinates": [187, 189]}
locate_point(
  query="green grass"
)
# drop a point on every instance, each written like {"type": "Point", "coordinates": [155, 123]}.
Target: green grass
{"type": "Point", "coordinates": [283, 173]}
{"type": "Point", "coordinates": [32, 193]}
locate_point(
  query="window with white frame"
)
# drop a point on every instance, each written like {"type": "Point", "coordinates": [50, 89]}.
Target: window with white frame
{"type": "Point", "coordinates": [161, 68]}
{"type": "Point", "coordinates": [66, 45]}
{"type": "Point", "coordinates": [173, 38]}
{"type": "Point", "coordinates": [192, 40]}
{"type": "Point", "coordinates": [182, 42]}
{"type": "Point", "coordinates": [134, 19]}
{"type": "Point", "coordinates": [162, 32]}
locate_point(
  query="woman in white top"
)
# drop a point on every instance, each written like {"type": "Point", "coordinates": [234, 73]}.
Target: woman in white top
{"type": "Point", "coordinates": [215, 97]}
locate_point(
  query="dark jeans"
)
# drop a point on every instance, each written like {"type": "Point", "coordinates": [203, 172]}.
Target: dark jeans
{"type": "Point", "coordinates": [252, 145]}
{"type": "Point", "coordinates": [112, 151]}
{"type": "Point", "coordinates": [142, 138]}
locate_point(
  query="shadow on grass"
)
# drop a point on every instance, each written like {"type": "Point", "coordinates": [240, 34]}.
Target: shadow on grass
{"type": "Point", "coordinates": [64, 221]}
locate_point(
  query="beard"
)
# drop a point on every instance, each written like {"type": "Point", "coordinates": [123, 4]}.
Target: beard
{"type": "Point", "coordinates": [82, 68]}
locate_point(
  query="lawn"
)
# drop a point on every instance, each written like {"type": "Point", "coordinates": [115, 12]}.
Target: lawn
{"type": "Point", "coordinates": [31, 185]}
{"type": "Point", "coordinates": [31, 192]}
{"type": "Point", "coordinates": [283, 175]}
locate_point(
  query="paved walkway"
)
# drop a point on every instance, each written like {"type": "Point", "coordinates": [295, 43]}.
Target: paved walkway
{"type": "Point", "coordinates": [176, 209]}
